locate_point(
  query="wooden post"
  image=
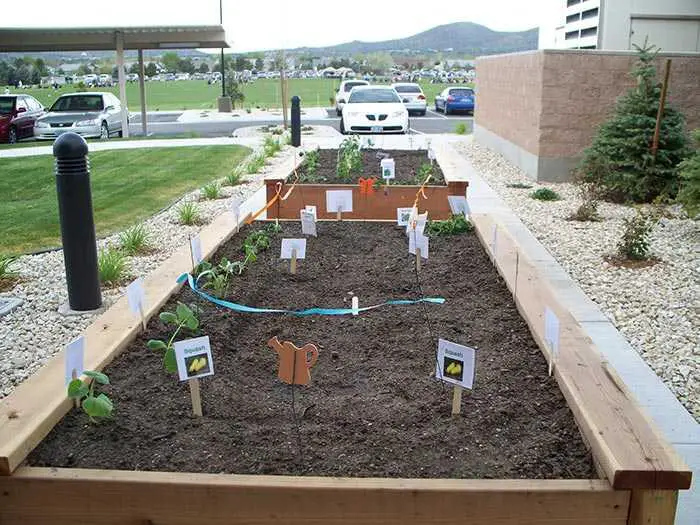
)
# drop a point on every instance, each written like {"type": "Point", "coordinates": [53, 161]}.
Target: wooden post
{"type": "Point", "coordinates": [653, 507]}
{"type": "Point", "coordinates": [417, 259]}
{"type": "Point", "coordinates": [339, 214]}
{"type": "Point", "coordinates": [293, 262]}
{"type": "Point", "coordinates": [660, 114]}
{"type": "Point", "coordinates": [194, 395]}
{"type": "Point", "coordinates": [456, 400]}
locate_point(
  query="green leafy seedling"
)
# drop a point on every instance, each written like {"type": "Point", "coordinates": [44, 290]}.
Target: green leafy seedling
{"type": "Point", "coordinates": [455, 225]}
{"type": "Point", "coordinates": [182, 317]}
{"type": "Point", "coordinates": [95, 406]}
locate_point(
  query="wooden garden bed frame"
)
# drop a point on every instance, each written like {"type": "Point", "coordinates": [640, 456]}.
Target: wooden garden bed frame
{"type": "Point", "coordinates": [640, 473]}
{"type": "Point", "coordinates": [381, 204]}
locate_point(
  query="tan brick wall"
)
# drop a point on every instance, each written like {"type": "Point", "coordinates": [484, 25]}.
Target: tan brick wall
{"type": "Point", "coordinates": [551, 103]}
{"type": "Point", "coordinates": [509, 97]}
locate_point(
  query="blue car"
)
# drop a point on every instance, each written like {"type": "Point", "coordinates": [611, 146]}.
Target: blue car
{"type": "Point", "coordinates": [458, 98]}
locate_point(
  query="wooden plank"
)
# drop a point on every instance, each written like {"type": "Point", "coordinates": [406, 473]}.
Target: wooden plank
{"type": "Point", "coordinates": [36, 405]}
{"type": "Point", "coordinates": [631, 451]}
{"type": "Point", "coordinates": [653, 507]}
{"type": "Point", "coordinates": [64, 496]}
{"type": "Point", "coordinates": [379, 205]}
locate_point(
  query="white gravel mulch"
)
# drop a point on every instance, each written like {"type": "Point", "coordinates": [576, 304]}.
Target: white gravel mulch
{"type": "Point", "coordinates": [656, 308]}
{"type": "Point", "coordinates": [35, 331]}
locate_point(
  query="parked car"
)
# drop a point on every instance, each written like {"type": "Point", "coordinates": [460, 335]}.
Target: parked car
{"type": "Point", "coordinates": [412, 96]}
{"type": "Point", "coordinates": [90, 79]}
{"type": "Point", "coordinates": [344, 91]}
{"type": "Point", "coordinates": [91, 115]}
{"type": "Point", "coordinates": [458, 98]}
{"type": "Point", "coordinates": [132, 77]}
{"type": "Point", "coordinates": [104, 80]}
{"type": "Point", "coordinates": [374, 109]}
{"type": "Point", "coordinates": [17, 116]}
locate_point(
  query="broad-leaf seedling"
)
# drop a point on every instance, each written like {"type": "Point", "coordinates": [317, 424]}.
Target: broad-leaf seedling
{"type": "Point", "coordinates": [183, 317]}
{"type": "Point", "coordinates": [95, 406]}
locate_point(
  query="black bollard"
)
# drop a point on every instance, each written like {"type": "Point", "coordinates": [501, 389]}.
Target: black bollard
{"type": "Point", "coordinates": [296, 121]}
{"type": "Point", "coordinates": [77, 224]}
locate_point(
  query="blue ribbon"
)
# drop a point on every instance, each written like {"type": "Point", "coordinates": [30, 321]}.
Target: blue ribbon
{"type": "Point", "coordinates": [309, 311]}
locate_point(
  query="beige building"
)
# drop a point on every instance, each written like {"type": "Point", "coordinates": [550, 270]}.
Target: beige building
{"type": "Point", "coordinates": [616, 25]}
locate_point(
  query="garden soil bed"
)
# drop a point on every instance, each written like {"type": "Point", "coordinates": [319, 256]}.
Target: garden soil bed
{"type": "Point", "coordinates": [373, 407]}
{"type": "Point", "coordinates": [407, 165]}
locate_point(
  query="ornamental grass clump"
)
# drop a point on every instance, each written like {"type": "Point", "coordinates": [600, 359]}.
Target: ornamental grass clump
{"type": "Point", "coordinates": [111, 266]}
{"type": "Point", "coordinates": [188, 213]}
{"type": "Point", "coordinates": [545, 194]}
{"type": "Point", "coordinates": [135, 241]}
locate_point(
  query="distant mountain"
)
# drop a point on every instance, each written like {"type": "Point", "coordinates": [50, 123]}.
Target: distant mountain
{"type": "Point", "coordinates": [460, 37]}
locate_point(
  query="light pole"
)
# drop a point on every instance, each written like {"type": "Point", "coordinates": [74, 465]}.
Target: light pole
{"type": "Point", "coordinates": [223, 69]}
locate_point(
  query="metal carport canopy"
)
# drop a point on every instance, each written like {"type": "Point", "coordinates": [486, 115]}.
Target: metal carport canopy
{"type": "Point", "coordinates": [114, 38]}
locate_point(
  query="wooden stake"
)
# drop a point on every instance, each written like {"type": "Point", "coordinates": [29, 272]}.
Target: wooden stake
{"type": "Point", "coordinates": [143, 318]}
{"type": "Point", "coordinates": [196, 399]}
{"type": "Point", "coordinates": [456, 400]}
{"type": "Point", "coordinates": [417, 259]}
{"type": "Point", "coordinates": [74, 376]}
{"type": "Point", "coordinates": [660, 114]}
{"type": "Point", "coordinates": [293, 262]}
{"type": "Point", "coordinates": [339, 214]}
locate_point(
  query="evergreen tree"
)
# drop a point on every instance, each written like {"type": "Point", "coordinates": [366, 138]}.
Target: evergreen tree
{"type": "Point", "coordinates": [689, 194]}
{"type": "Point", "coordinates": [233, 88]}
{"type": "Point", "coordinates": [620, 159]}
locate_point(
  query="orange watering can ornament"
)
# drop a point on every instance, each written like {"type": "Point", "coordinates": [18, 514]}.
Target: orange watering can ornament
{"type": "Point", "coordinates": [294, 363]}
{"type": "Point", "coordinates": [367, 185]}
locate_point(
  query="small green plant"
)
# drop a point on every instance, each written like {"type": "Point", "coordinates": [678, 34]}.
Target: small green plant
{"type": "Point", "coordinates": [111, 266]}
{"type": "Point", "coordinates": [256, 163]}
{"type": "Point", "coordinates": [7, 272]}
{"type": "Point", "coordinates": [182, 318]}
{"type": "Point", "coordinates": [312, 159]}
{"type": "Point", "coordinates": [519, 185]}
{"type": "Point", "coordinates": [188, 213]}
{"type": "Point", "coordinates": [545, 194]}
{"type": "Point", "coordinates": [425, 170]}
{"type": "Point", "coordinates": [135, 240]}
{"type": "Point", "coordinates": [455, 225]}
{"type": "Point", "coordinates": [235, 177]}
{"type": "Point", "coordinates": [211, 191]}
{"type": "Point", "coordinates": [272, 228]}
{"type": "Point", "coordinates": [634, 244]}
{"type": "Point", "coordinates": [461, 128]}
{"type": "Point", "coordinates": [271, 146]}
{"type": "Point", "coordinates": [349, 159]}
{"type": "Point", "coordinates": [95, 406]}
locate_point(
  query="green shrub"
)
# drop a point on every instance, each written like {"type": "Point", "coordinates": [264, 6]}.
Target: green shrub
{"type": "Point", "coordinates": [135, 240]}
{"type": "Point", "coordinates": [620, 158]}
{"type": "Point", "coordinates": [634, 244]}
{"type": "Point", "coordinates": [461, 128]}
{"type": "Point", "coordinates": [235, 177]}
{"type": "Point", "coordinates": [111, 266]}
{"type": "Point", "coordinates": [271, 146]}
{"type": "Point", "coordinates": [256, 163]}
{"type": "Point", "coordinates": [188, 213]}
{"type": "Point", "coordinates": [545, 194]}
{"type": "Point", "coordinates": [349, 159]}
{"type": "Point", "coordinates": [211, 191]}
{"type": "Point", "coordinates": [689, 193]}
{"type": "Point", "coordinates": [455, 225]}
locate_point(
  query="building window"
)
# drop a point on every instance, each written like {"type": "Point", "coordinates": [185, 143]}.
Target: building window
{"type": "Point", "coordinates": [571, 35]}
{"type": "Point", "coordinates": [573, 18]}
{"type": "Point", "coordinates": [591, 31]}
{"type": "Point", "coordinates": [590, 13]}
{"type": "Point", "coordinates": [569, 3]}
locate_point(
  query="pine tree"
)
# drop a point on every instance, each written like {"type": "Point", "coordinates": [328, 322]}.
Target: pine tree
{"type": "Point", "coordinates": [620, 159]}
{"type": "Point", "coordinates": [689, 194]}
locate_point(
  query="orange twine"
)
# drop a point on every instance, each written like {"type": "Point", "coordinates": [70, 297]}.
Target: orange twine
{"type": "Point", "coordinates": [367, 185]}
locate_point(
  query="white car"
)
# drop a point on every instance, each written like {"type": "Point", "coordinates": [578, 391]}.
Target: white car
{"type": "Point", "coordinates": [374, 109]}
{"type": "Point", "coordinates": [412, 96]}
{"type": "Point", "coordinates": [341, 97]}
{"type": "Point", "coordinates": [91, 115]}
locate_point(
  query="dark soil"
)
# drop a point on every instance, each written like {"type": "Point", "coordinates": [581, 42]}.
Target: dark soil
{"type": "Point", "coordinates": [373, 408]}
{"type": "Point", "coordinates": [407, 165]}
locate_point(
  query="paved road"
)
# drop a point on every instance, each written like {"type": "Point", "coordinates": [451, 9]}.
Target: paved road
{"type": "Point", "coordinates": [167, 124]}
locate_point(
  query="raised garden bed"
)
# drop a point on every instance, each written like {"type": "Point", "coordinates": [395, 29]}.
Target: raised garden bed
{"type": "Point", "coordinates": [308, 187]}
{"type": "Point", "coordinates": [374, 407]}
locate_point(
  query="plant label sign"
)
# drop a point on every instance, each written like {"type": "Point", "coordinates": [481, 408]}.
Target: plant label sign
{"type": "Point", "coordinates": [196, 249]}
{"type": "Point", "coordinates": [420, 242]}
{"type": "Point", "coordinates": [403, 215]}
{"type": "Point", "coordinates": [339, 201]}
{"type": "Point", "coordinates": [431, 154]}
{"type": "Point", "coordinates": [417, 223]}
{"type": "Point", "coordinates": [458, 205]}
{"type": "Point", "coordinates": [551, 335]}
{"type": "Point", "coordinates": [136, 296]}
{"type": "Point", "coordinates": [388, 169]}
{"type": "Point", "coordinates": [311, 209]}
{"type": "Point", "coordinates": [456, 364]}
{"type": "Point", "coordinates": [290, 245]}
{"type": "Point", "coordinates": [193, 358]}
{"type": "Point", "coordinates": [308, 223]}
{"type": "Point", "coordinates": [75, 359]}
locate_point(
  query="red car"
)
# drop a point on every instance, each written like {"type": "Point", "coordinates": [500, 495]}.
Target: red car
{"type": "Point", "coordinates": [17, 116]}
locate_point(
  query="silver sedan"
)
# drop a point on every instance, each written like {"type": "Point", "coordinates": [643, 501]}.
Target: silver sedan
{"type": "Point", "coordinates": [91, 115]}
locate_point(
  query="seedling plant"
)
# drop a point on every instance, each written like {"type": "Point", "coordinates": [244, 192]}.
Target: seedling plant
{"type": "Point", "coordinates": [349, 159]}
{"type": "Point", "coordinates": [455, 225]}
{"type": "Point", "coordinates": [95, 406]}
{"type": "Point", "coordinates": [182, 318]}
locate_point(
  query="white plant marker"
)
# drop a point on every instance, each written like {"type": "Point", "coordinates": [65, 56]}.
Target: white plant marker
{"type": "Point", "coordinates": [339, 201]}
{"type": "Point", "coordinates": [456, 364]}
{"type": "Point", "coordinates": [403, 215]}
{"type": "Point", "coordinates": [196, 250]}
{"type": "Point", "coordinates": [308, 222]}
{"type": "Point", "coordinates": [136, 296]}
{"type": "Point", "coordinates": [75, 362]}
{"type": "Point", "coordinates": [551, 336]}
{"type": "Point", "coordinates": [459, 205]}
{"type": "Point", "coordinates": [193, 357]}
{"type": "Point", "coordinates": [234, 206]}
{"type": "Point", "coordinates": [293, 249]}
{"type": "Point", "coordinates": [355, 305]}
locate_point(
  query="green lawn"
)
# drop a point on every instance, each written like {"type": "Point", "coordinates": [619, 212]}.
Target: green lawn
{"type": "Point", "coordinates": [197, 94]}
{"type": "Point", "coordinates": [127, 187]}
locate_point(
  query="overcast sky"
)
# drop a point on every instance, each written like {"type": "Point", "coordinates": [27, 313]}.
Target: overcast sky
{"type": "Point", "coordinates": [274, 24]}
